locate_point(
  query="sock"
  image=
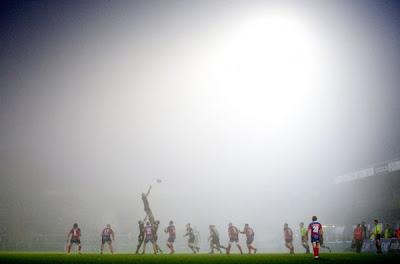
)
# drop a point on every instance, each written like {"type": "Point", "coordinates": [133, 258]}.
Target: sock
{"type": "Point", "coordinates": [317, 251]}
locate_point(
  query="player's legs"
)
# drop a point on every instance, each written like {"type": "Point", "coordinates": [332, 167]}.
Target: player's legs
{"type": "Point", "coordinates": [306, 246]}
{"type": "Point", "coordinates": [102, 246]}
{"type": "Point", "coordinates": [79, 248]}
{"type": "Point", "coordinates": [111, 247]}
{"type": "Point", "coordinates": [144, 247]}
{"type": "Point", "coordinates": [154, 247]}
{"type": "Point", "coordinates": [170, 245]}
{"type": "Point", "coordinates": [316, 247]}
{"type": "Point", "coordinates": [228, 249]}
{"type": "Point", "coordinates": [140, 242]}
{"type": "Point", "coordinates": [240, 248]}
{"type": "Point", "coordinates": [69, 246]}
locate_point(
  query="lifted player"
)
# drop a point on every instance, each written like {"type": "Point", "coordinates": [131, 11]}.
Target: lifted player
{"type": "Point", "coordinates": [140, 236]}
{"type": "Point", "coordinates": [106, 235]}
{"type": "Point", "coordinates": [74, 237]}
{"type": "Point", "coordinates": [233, 233]}
{"type": "Point", "coordinates": [304, 238]}
{"type": "Point", "coordinates": [191, 239]}
{"type": "Point", "coordinates": [288, 236]}
{"type": "Point", "coordinates": [214, 240]}
{"type": "Point", "coordinates": [149, 237]}
{"type": "Point", "coordinates": [316, 234]}
{"type": "Point", "coordinates": [146, 205]}
{"type": "Point", "coordinates": [170, 230]}
{"type": "Point", "coordinates": [249, 238]}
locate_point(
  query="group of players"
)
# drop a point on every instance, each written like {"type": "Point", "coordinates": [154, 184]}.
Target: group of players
{"type": "Point", "coordinates": [148, 229]}
{"type": "Point", "coordinates": [316, 234]}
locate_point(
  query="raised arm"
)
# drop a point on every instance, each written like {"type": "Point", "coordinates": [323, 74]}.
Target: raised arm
{"type": "Point", "coordinates": [148, 191]}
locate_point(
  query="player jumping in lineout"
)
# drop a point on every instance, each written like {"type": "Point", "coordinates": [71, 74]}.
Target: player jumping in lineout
{"type": "Point", "coordinates": [249, 232]}
{"type": "Point", "coordinates": [74, 237]}
{"type": "Point", "coordinates": [315, 228]}
{"type": "Point", "coordinates": [106, 235]}
{"type": "Point", "coordinates": [146, 205]}
{"type": "Point", "coordinates": [170, 230]}
{"type": "Point", "coordinates": [233, 233]}
{"type": "Point", "coordinates": [288, 236]}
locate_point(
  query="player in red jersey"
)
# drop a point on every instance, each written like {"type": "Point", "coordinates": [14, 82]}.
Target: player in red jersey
{"type": "Point", "coordinates": [315, 228]}
{"type": "Point", "coordinates": [107, 236]}
{"type": "Point", "coordinates": [149, 237]}
{"type": "Point", "coordinates": [170, 230]}
{"type": "Point", "coordinates": [249, 238]}
{"type": "Point", "coordinates": [288, 236]}
{"type": "Point", "coordinates": [74, 237]}
{"type": "Point", "coordinates": [233, 233]}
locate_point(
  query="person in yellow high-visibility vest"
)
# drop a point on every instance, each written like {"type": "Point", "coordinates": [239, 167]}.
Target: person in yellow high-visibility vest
{"type": "Point", "coordinates": [377, 233]}
{"type": "Point", "coordinates": [387, 233]}
{"type": "Point", "coordinates": [304, 237]}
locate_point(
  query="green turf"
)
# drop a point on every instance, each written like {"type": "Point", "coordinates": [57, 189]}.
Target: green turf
{"type": "Point", "coordinates": [194, 259]}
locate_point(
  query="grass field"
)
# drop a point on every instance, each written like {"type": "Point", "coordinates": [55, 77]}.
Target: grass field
{"type": "Point", "coordinates": [11, 257]}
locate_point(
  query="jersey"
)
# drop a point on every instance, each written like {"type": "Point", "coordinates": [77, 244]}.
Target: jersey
{"type": "Point", "coordinates": [358, 233]}
{"type": "Point", "coordinates": [107, 232]}
{"type": "Point", "coordinates": [233, 233]}
{"type": "Point", "coordinates": [171, 231]}
{"type": "Point", "coordinates": [148, 230]}
{"type": "Point", "coordinates": [303, 233]}
{"type": "Point", "coordinates": [190, 234]}
{"type": "Point", "coordinates": [316, 231]}
{"type": "Point", "coordinates": [288, 234]}
{"type": "Point", "coordinates": [249, 232]}
{"type": "Point", "coordinates": [75, 233]}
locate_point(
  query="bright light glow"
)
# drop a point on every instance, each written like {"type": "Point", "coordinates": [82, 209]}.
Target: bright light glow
{"type": "Point", "coordinates": [265, 71]}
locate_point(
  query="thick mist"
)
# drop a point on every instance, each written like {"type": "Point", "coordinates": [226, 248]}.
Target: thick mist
{"type": "Point", "coordinates": [246, 111]}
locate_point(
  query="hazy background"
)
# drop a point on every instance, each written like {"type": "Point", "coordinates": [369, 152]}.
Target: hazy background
{"type": "Point", "coordinates": [246, 110]}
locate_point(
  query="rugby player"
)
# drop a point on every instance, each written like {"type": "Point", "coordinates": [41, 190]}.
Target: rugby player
{"type": "Point", "coordinates": [214, 240]}
{"type": "Point", "coordinates": [155, 230]}
{"type": "Point", "coordinates": [146, 205]}
{"type": "Point", "coordinates": [170, 230]}
{"type": "Point", "coordinates": [74, 237]}
{"type": "Point", "coordinates": [249, 232]}
{"type": "Point", "coordinates": [233, 233]}
{"type": "Point", "coordinates": [191, 239]}
{"type": "Point", "coordinates": [149, 237]}
{"type": "Point", "coordinates": [288, 235]}
{"type": "Point", "coordinates": [316, 234]}
{"type": "Point", "coordinates": [140, 236]}
{"type": "Point", "coordinates": [304, 238]}
{"type": "Point", "coordinates": [106, 235]}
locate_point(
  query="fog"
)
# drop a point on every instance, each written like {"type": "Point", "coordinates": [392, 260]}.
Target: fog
{"type": "Point", "coordinates": [245, 110]}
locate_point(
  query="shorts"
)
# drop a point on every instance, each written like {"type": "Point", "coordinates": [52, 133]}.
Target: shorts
{"type": "Point", "coordinates": [249, 240]}
{"type": "Point", "coordinates": [378, 237]}
{"type": "Point", "coordinates": [149, 239]}
{"type": "Point", "coordinates": [105, 239]}
{"type": "Point", "coordinates": [234, 240]}
{"type": "Point", "coordinates": [75, 241]}
{"type": "Point", "coordinates": [315, 240]}
{"type": "Point", "coordinates": [288, 240]}
{"type": "Point", "coordinates": [171, 240]}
